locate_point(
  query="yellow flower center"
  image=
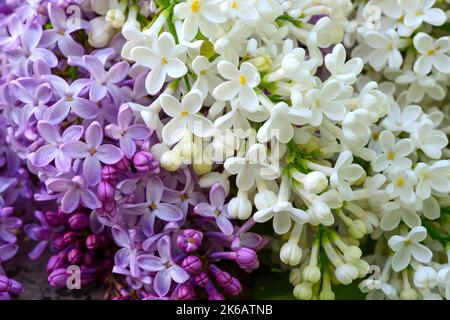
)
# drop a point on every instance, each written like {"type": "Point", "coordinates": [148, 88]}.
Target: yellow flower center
{"type": "Point", "coordinates": [242, 79]}
{"type": "Point", "coordinates": [164, 60]}
{"type": "Point", "coordinates": [195, 6]}
{"type": "Point", "coordinates": [400, 182]}
{"type": "Point", "coordinates": [234, 5]}
{"type": "Point", "coordinates": [390, 155]}
{"type": "Point", "coordinates": [430, 52]}
{"type": "Point", "coordinates": [153, 206]}
{"type": "Point", "coordinates": [93, 150]}
{"type": "Point", "coordinates": [184, 113]}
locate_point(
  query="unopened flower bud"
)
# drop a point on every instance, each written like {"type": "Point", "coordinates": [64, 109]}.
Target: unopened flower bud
{"type": "Point", "coordinates": [352, 254]}
{"type": "Point", "coordinates": [58, 278]}
{"type": "Point", "coordinates": [56, 261]}
{"type": "Point", "coordinates": [240, 208]}
{"type": "Point", "coordinates": [311, 274]}
{"type": "Point", "coordinates": [247, 259]}
{"type": "Point", "coordinates": [201, 279]}
{"type": "Point", "coordinates": [105, 191]}
{"type": "Point", "coordinates": [9, 285]}
{"type": "Point", "coordinates": [425, 278]}
{"type": "Point", "coordinates": [408, 294]}
{"type": "Point", "coordinates": [357, 229]}
{"type": "Point", "coordinates": [262, 63]}
{"type": "Point", "coordinates": [192, 264]}
{"type": "Point", "coordinates": [326, 294]}
{"type": "Point", "coordinates": [145, 162]}
{"type": "Point", "coordinates": [303, 291]}
{"type": "Point", "coordinates": [202, 168]}
{"type": "Point", "coordinates": [93, 242]}
{"type": "Point", "coordinates": [109, 173]}
{"type": "Point", "coordinates": [346, 273]}
{"type": "Point", "coordinates": [75, 256]}
{"type": "Point", "coordinates": [186, 292]}
{"type": "Point", "coordinates": [291, 253]}
{"type": "Point", "coordinates": [295, 276]}
{"type": "Point", "coordinates": [170, 160]}
{"type": "Point", "coordinates": [79, 221]}
{"type": "Point", "coordinates": [315, 182]}
{"type": "Point", "coordinates": [115, 17]}
{"type": "Point", "coordinates": [229, 283]}
{"type": "Point", "coordinates": [123, 165]}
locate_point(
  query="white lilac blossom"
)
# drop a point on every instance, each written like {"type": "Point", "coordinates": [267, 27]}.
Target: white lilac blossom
{"type": "Point", "coordinates": [156, 134]}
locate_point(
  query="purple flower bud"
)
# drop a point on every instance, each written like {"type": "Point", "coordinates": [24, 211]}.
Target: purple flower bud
{"type": "Point", "coordinates": [109, 173]}
{"type": "Point", "coordinates": [10, 285]}
{"type": "Point", "coordinates": [65, 240]}
{"type": "Point", "coordinates": [79, 221]}
{"type": "Point", "coordinates": [186, 292]}
{"type": "Point", "coordinates": [201, 279]}
{"type": "Point", "coordinates": [53, 218]}
{"type": "Point", "coordinates": [192, 264]}
{"type": "Point", "coordinates": [93, 242]}
{"type": "Point", "coordinates": [145, 162]}
{"type": "Point", "coordinates": [75, 256]}
{"type": "Point", "coordinates": [216, 296]}
{"type": "Point", "coordinates": [56, 261]}
{"type": "Point", "coordinates": [229, 283]}
{"type": "Point", "coordinates": [123, 165]}
{"type": "Point", "coordinates": [247, 259]}
{"type": "Point", "coordinates": [189, 240]}
{"type": "Point", "coordinates": [105, 191]}
{"type": "Point", "coordinates": [58, 278]}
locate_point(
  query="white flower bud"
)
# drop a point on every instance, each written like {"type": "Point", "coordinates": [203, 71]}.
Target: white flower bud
{"type": "Point", "coordinates": [303, 291]}
{"type": "Point", "coordinates": [295, 276]}
{"type": "Point", "coordinates": [363, 267]}
{"type": "Point", "coordinates": [202, 168]}
{"type": "Point", "coordinates": [346, 273]}
{"type": "Point", "coordinates": [311, 274]}
{"type": "Point", "coordinates": [240, 208]}
{"type": "Point", "coordinates": [158, 150]}
{"type": "Point", "coordinates": [425, 278]}
{"type": "Point", "coordinates": [291, 253]}
{"type": "Point", "coordinates": [100, 33]}
{"type": "Point", "coordinates": [315, 182]}
{"type": "Point", "coordinates": [352, 254]}
{"type": "Point", "coordinates": [408, 294]}
{"type": "Point", "coordinates": [170, 160]}
{"type": "Point", "coordinates": [357, 229]}
{"type": "Point", "coordinates": [115, 17]}
{"type": "Point", "coordinates": [265, 199]}
{"type": "Point", "coordinates": [326, 294]}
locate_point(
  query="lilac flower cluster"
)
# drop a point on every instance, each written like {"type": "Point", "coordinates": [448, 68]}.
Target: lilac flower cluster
{"type": "Point", "coordinates": [69, 139]}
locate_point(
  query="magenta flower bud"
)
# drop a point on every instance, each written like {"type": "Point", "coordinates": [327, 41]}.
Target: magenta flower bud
{"type": "Point", "coordinates": [53, 218]}
{"type": "Point", "coordinates": [66, 240]}
{"type": "Point", "coordinates": [58, 278]}
{"type": "Point", "coordinates": [56, 261]}
{"type": "Point", "coordinates": [201, 279]}
{"type": "Point", "coordinates": [247, 259]}
{"type": "Point", "coordinates": [229, 283]}
{"type": "Point", "coordinates": [105, 191]}
{"type": "Point", "coordinates": [93, 242]}
{"type": "Point", "coordinates": [216, 296]}
{"type": "Point", "coordinates": [189, 240]}
{"type": "Point", "coordinates": [144, 162]}
{"type": "Point", "coordinates": [109, 173]}
{"type": "Point", "coordinates": [79, 221]}
{"type": "Point", "coordinates": [123, 165]}
{"type": "Point", "coordinates": [9, 285]}
{"type": "Point", "coordinates": [192, 264]}
{"type": "Point", "coordinates": [75, 256]}
{"type": "Point", "coordinates": [186, 292]}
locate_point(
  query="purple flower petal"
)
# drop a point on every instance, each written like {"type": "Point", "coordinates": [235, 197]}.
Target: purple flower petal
{"type": "Point", "coordinates": [150, 262]}
{"type": "Point", "coordinates": [178, 274]}
{"type": "Point", "coordinates": [121, 237]}
{"type": "Point", "coordinates": [205, 209]}
{"type": "Point", "coordinates": [8, 251]}
{"type": "Point", "coordinates": [168, 212]}
{"type": "Point", "coordinates": [154, 190]}
{"type": "Point", "coordinates": [109, 154]}
{"type": "Point", "coordinates": [44, 155]}
{"type": "Point", "coordinates": [217, 196]}
{"type": "Point", "coordinates": [122, 257]}
{"type": "Point", "coordinates": [84, 108]}
{"type": "Point", "coordinates": [70, 200]}
{"type": "Point", "coordinates": [128, 146]}
{"type": "Point", "coordinates": [224, 224]}
{"type": "Point", "coordinates": [92, 170]}
{"type": "Point", "coordinates": [89, 199]}
{"type": "Point", "coordinates": [75, 149]}
{"type": "Point", "coordinates": [162, 282]}
{"type": "Point", "coordinates": [138, 132]}
{"type": "Point", "coordinates": [118, 72]}
{"type": "Point", "coordinates": [94, 135]}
